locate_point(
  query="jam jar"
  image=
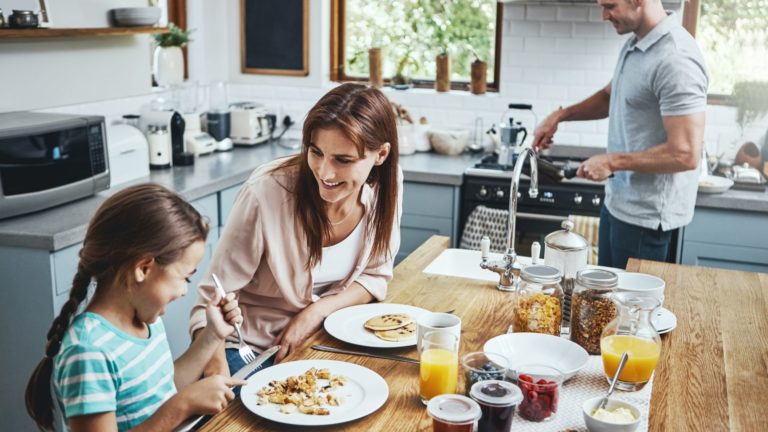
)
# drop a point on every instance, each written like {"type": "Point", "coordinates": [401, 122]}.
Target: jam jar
{"type": "Point", "coordinates": [497, 400]}
{"type": "Point", "coordinates": [592, 307]}
{"type": "Point", "coordinates": [453, 413]}
{"type": "Point", "coordinates": [539, 301]}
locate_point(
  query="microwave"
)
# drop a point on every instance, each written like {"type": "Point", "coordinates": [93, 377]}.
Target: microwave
{"type": "Point", "coordinates": [50, 159]}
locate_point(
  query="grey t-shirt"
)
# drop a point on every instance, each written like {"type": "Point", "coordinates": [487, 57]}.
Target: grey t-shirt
{"type": "Point", "coordinates": [663, 74]}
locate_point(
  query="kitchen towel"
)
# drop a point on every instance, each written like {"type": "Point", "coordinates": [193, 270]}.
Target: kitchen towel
{"type": "Point", "coordinates": [589, 228]}
{"type": "Point", "coordinates": [486, 221]}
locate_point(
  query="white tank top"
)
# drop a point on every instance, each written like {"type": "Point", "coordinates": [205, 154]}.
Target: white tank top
{"type": "Point", "coordinates": [337, 262]}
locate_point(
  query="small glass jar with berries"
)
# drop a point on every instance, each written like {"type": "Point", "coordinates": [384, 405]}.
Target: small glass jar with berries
{"type": "Point", "coordinates": [540, 386]}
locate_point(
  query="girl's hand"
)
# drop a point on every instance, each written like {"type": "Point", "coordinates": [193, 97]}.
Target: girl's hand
{"type": "Point", "coordinates": [297, 331]}
{"type": "Point", "coordinates": [209, 395]}
{"type": "Point", "coordinates": [222, 315]}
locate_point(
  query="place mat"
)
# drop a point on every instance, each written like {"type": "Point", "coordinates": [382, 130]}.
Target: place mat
{"type": "Point", "coordinates": [588, 383]}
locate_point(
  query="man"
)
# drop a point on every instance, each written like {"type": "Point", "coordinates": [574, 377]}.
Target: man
{"type": "Point", "coordinates": [655, 104]}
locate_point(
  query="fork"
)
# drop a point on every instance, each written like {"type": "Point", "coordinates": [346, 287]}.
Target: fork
{"type": "Point", "coordinates": [246, 353]}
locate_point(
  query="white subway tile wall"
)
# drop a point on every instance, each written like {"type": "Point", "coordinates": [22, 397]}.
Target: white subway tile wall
{"type": "Point", "coordinates": [551, 56]}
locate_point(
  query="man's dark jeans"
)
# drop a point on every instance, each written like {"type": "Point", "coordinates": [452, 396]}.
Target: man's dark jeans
{"type": "Point", "coordinates": [620, 241]}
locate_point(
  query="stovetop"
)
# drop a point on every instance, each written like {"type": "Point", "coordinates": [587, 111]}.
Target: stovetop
{"type": "Point", "coordinates": [488, 166]}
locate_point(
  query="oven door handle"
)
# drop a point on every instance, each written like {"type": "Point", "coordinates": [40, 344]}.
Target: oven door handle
{"type": "Point", "coordinates": [541, 217]}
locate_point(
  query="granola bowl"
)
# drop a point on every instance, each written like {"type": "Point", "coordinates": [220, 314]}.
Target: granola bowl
{"type": "Point", "coordinates": [543, 349]}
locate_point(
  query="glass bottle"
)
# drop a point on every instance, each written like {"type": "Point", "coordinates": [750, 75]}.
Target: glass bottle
{"type": "Point", "coordinates": [631, 332]}
{"type": "Point", "coordinates": [591, 307]}
{"type": "Point", "coordinates": [539, 301]}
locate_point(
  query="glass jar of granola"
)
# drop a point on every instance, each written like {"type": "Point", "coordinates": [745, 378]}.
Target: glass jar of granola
{"type": "Point", "coordinates": [592, 307]}
{"type": "Point", "coordinates": [539, 301]}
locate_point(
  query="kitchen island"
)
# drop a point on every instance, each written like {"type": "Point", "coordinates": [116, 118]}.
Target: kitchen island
{"type": "Point", "coordinates": [711, 375]}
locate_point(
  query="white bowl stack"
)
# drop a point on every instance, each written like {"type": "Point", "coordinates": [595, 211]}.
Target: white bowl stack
{"type": "Point", "coordinates": [136, 16]}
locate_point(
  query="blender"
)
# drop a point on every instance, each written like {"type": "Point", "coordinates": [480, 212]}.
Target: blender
{"type": "Point", "coordinates": [218, 118]}
{"type": "Point", "coordinates": [195, 140]}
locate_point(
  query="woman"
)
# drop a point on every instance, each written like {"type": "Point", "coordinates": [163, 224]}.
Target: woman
{"type": "Point", "coordinates": [313, 233]}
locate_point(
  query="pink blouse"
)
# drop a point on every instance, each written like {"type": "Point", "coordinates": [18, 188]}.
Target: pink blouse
{"type": "Point", "coordinates": [262, 256]}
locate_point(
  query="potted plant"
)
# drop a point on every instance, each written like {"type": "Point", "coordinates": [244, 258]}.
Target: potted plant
{"type": "Point", "coordinates": [479, 75]}
{"type": "Point", "coordinates": [168, 66]}
{"type": "Point", "coordinates": [401, 79]}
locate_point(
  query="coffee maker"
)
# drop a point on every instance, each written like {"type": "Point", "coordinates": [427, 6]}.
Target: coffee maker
{"type": "Point", "coordinates": [218, 118]}
{"type": "Point", "coordinates": [511, 142]}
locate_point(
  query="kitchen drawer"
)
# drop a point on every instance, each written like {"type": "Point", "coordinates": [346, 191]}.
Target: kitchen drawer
{"type": "Point", "coordinates": [226, 201]}
{"type": "Point", "coordinates": [428, 199]}
{"type": "Point", "coordinates": [208, 206]}
{"type": "Point", "coordinates": [724, 256]}
{"type": "Point", "coordinates": [726, 227]}
{"type": "Point", "coordinates": [415, 230]}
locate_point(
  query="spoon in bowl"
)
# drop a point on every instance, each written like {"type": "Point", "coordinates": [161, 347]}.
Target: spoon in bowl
{"type": "Point", "coordinates": [604, 401]}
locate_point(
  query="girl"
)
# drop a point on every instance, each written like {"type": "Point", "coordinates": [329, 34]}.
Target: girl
{"type": "Point", "coordinates": [111, 366]}
{"type": "Point", "coordinates": [316, 232]}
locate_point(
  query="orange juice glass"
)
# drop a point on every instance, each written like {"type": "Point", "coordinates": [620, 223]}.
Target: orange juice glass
{"type": "Point", "coordinates": [439, 365]}
{"type": "Point", "coordinates": [631, 332]}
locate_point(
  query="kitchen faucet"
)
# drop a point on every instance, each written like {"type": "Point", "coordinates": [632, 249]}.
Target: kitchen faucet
{"type": "Point", "coordinates": [505, 267]}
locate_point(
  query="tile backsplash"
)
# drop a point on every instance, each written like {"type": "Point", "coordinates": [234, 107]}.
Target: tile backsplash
{"type": "Point", "coordinates": [552, 55]}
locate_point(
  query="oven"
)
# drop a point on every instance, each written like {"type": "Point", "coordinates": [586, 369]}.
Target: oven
{"type": "Point", "coordinates": [536, 217]}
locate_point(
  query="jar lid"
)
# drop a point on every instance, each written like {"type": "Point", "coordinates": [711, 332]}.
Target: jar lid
{"type": "Point", "coordinates": [496, 392]}
{"type": "Point", "coordinates": [597, 278]}
{"type": "Point", "coordinates": [543, 274]}
{"type": "Point", "coordinates": [453, 408]}
{"type": "Point", "coordinates": [566, 239]}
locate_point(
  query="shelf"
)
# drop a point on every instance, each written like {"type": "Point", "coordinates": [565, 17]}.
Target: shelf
{"type": "Point", "coordinates": [36, 33]}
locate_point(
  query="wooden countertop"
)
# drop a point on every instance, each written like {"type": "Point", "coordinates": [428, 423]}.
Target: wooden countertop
{"type": "Point", "coordinates": [712, 373]}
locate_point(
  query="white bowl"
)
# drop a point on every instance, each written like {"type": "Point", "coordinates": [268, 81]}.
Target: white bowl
{"type": "Point", "coordinates": [535, 348]}
{"type": "Point", "coordinates": [714, 184]}
{"type": "Point", "coordinates": [595, 425]}
{"type": "Point", "coordinates": [644, 285]}
{"type": "Point", "coordinates": [137, 16]}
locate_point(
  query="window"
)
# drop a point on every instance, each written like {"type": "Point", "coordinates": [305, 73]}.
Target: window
{"type": "Point", "coordinates": [733, 37]}
{"type": "Point", "coordinates": [411, 34]}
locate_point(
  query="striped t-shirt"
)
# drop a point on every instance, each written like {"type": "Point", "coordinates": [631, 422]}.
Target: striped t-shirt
{"type": "Point", "coordinates": [101, 369]}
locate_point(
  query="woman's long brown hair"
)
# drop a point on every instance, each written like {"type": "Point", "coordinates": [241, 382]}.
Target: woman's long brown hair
{"type": "Point", "coordinates": [139, 222]}
{"type": "Point", "coordinates": [365, 116]}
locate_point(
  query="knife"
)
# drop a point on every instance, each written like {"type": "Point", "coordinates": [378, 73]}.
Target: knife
{"type": "Point", "coordinates": [366, 354]}
{"type": "Point", "coordinates": [243, 373]}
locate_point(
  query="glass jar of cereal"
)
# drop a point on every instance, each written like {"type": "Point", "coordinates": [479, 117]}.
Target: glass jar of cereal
{"type": "Point", "coordinates": [591, 307]}
{"type": "Point", "coordinates": [539, 301]}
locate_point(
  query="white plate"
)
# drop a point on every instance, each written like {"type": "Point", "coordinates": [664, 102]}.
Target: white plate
{"type": "Point", "coordinates": [535, 348]}
{"type": "Point", "coordinates": [347, 324]}
{"type": "Point", "coordinates": [664, 320]}
{"type": "Point", "coordinates": [365, 392]}
{"type": "Point", "coordinates": [714, 184]}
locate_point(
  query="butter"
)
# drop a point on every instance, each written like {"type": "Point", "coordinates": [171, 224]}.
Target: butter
{"type": "Point", "coordinates": [618, 415]}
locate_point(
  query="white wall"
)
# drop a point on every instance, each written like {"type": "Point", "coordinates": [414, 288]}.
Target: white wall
{"type": "Point", "coordinates": [551, 55]}
{"type": "Point", "coordinates": [41, 73]}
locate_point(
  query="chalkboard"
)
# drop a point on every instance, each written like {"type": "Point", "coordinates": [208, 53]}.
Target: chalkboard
{"type": "Point", "coordinates": [274, 37]}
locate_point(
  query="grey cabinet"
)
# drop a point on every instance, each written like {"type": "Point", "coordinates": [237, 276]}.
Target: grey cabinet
{"type": "Point", "coordinates": [226, 201]}
{"type": "Point", "coordinates": [176, 318]}
{"type": "Point", "coordinates": [428, 209]}
{"type": "Point", "coordinates": [727, 239]}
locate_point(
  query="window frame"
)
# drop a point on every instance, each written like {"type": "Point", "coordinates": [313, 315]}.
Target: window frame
{"type": "Point", "coordinates": [338, 59]}
{"type": "Point", "coordinates": [691, 15]}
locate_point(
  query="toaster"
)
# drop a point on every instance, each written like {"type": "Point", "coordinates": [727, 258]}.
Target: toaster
{"type": "Point", "coordinates": [249, 124]}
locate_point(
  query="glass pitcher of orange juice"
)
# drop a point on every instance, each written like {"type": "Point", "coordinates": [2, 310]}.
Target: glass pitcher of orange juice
{"type": "Point", "coordinates": [631, 332]}
{"type": "Point", "coordinates": [439, 364]}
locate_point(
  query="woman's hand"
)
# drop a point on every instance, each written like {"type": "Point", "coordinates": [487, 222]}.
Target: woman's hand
{"type": "Point", "coordinates": [298, 330]}
{"type": "Point", "coordinates": [222, 315]}
{"type": "Point", "coordinates": [209, 395]}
